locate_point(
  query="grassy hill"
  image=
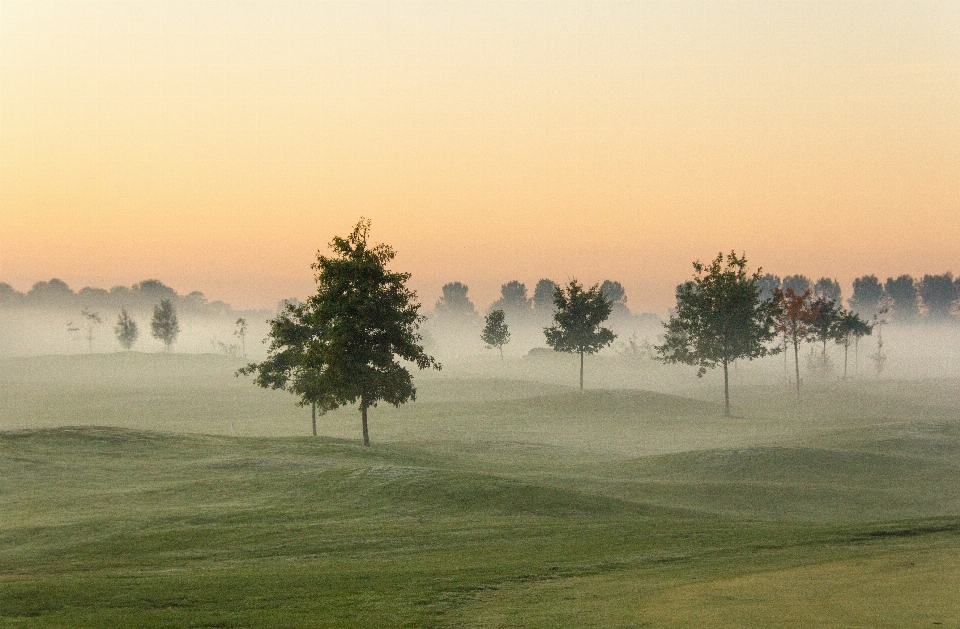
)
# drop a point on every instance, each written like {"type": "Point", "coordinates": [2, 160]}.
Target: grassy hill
{"type": "Point", "coordinates": [487, 503]}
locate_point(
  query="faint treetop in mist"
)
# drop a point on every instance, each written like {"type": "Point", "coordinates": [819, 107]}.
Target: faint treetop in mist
{"type": "Point", "coordinates": [614, 292]}
{"type": "Point", "coordinates": [9, 296]}
{"type": "Point", "coordinates": [828, 289]}
{"type": "Point", "coordinates": [799, 284]}
{"type": "Point", "coordinates": [513, 299]}
{"type": "Point", "coordinates": [938, 294]}
{"type": "Point", "coordinates": [768, 285]}
{"type": "Point", "coordinates": [54, 293]}
{"type": "Point", "coordinates": [454, 303]}
{"type": "Point", "coordinates": [903, 292]}
{"type": "Point", "coordinates": [867, 295]}
{"type": "Point", "coordinates": [543, 295]}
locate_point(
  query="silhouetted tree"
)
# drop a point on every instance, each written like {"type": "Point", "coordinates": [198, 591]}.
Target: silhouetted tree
{"type": "Point", "coordinates": [9, 296]}
{"type": "Point", "coordinates": [543, 296]}
{"type": "Point", "coordinates": [799, 284]}
{"type": "Point", "coordinates": [617, 296]}
{"type": "Point", "coordinates": [52, 294]}
{"type": "Point", "coordinates": [823, 327]}
{"type": "Point", "coordinates": [454, 305]}
{"type": "Point", "coordinates": [850, 327]}
{"type": "Point", "coordinates": [768, 285]}
{"type": "Point", "coordinates": [719, 318]}
{"type": "Point", "coordinates": [867, 295]}
{"type": "Point", "coordinates": [164, 325]}
{"type": "Point", "coordinates": [126, 330]}
{"type": "Point", "coordinates": [938, 294]}
{"type": "Point", "coordinates": [903, 293]}
{"type": "Point", "coordinates": [828, 289]}
{"type": "Point", "coordinates": [577, 321]}
{"type": "Point", "coordinates": [341, 346]}
{"type": "Point", "coordinates": [513, 300]}
{"type": "Point", "coordinates": [794, 316]}
{"type": "Point", "coordinates": [495, 333]}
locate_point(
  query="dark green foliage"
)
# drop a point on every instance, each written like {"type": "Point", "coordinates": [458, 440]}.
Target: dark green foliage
{"type": "Point", "coordinates": [341, 346]}
{"type": "Point", "coordinates": [823, 327]}
{"type": "Point", "coordinates": [543, 295]}
{"type": "Point", "coordinates": [719, 318]}
{"type": "Point", "coordinates": [164, 325]}
{"type": "Point", "coordinates": [614, 292]}
{"type": "Point", "coordinates": [454, 305]}
{"type": "Point", "coordinates": [126, 330]}
{"type": "Point", "coordinates": [903, 292]}
{"type": "Point", "coordinates": [577, 321]}
{"type": "Point", "coordinates": [769, 285]}
{"type": "Point", "coordinates": [495, 333]}
{"type": "Point", "coordinates": [867, 294]}
{"type": "Point", "coordinates": [798, 283]}
{"type": "Point", "coordinates": [938, 294]}
{"type": "Point", "coordinates": [826, 288]}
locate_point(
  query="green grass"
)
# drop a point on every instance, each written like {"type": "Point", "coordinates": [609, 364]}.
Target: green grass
{"type": "Point", "coordinates": [126, 501]}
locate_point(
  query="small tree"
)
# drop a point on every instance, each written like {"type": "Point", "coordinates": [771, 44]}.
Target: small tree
{"type": "Point", "coordinates": [495, 333]}
{"type": "Point", "coordinates": [164, 325]}
{"type": "Point", "coordinates": [126, 330]}
{"type": "Point", "coordinates": [92, 321]}
{"type": "Point", "coordinates": [794, 316]}
{"type": "Point", "coordinates": [577, 321]}
{"type": "Point", "coordinates": [720, 318]}
{"type": "Point", "coordinates": [341, 346]}
{"type": "Point", "coordinates": [850, 327]}
{"type": "Point", "coordinates": [823, 327]}
{"type": "Point", "coordinates": [241, 333]}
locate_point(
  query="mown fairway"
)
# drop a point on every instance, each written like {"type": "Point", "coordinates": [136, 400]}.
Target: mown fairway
{"type": "Point", "coordinates": [160, 491]}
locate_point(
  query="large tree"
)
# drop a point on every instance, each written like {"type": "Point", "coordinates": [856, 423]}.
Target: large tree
{"type": "Point", "coordinates": [577, 322]}
{"type": "Point", "coordinates": [719, 318]}
{"type": "Point", "coordinates": [454, 305]}
{"type": "Point", "coordinates": [342, 345]}
{"type": "Point", "coordinates": [826, 288]}
{"type": "Point", "coordinates": [938, 294]}
{"type": "Point", "coordinates": [903, 293]}
{"type": "Point", "coordinates": [165, 326]}
{"type": "Point", "coordinates": [513, 301]}
{"type": "Point", "coordinates": [543, 296]}
{"type": "Point", "coordinates": [867, 295]}
{"type": "Point", "coordinates": [769, 284]}
{"type": "Point", "coordinates": [799, 283]}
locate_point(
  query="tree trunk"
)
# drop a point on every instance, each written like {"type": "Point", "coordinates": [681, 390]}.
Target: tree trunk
{"type": "Point", "coordinates": [363, 416]}
{"type": "Point", "coordinates": [313, 413]}
{"type": "Point", "coordinates": [846, 352]}
{"type": "Point", "coordinates": [796, 362]}
{"type": "Point", "coordinates": [581, 370]}
{"type": "Point", "coordinates": [501, 353]}
{"type": "Point", "coordinates": [726, 391]}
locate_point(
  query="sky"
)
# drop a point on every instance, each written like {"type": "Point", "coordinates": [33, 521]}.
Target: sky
{"type": "Point", "coordinates": [217, 146]}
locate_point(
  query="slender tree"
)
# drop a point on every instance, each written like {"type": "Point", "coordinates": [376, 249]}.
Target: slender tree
{"type": "Point", "coordinates": [342, 345]}
{"type": "Point", "coordinates": [93, 320]}
{"type": "Point", "coordinates": [719, 318]}
{"type": "Point", "coordinates": [795, 314]}
{"type": "Point", "coordinates": [164, 325]}
{"type": "Point", "coordinates": [577, 322]}
{"type": "Point", "coordinates": [824, 326]}
{"type": "Point", "coordinates": [850, 328]}
{"type": "Point", "coordinates": [241, 333]}
{"type": "Point", "coordinates": [495, 333]}
{"type": "Point", "coordinates": [126, 330]}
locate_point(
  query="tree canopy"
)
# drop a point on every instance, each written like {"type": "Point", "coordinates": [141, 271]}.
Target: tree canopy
{"type": "Point", "coordinates": [577, 321]}
{"type": "Point", "coordinates": [165, 326]}
{"type": "Point", "coordinates": [719, 318]}
{"type": "Point", "coordinates": [495, 332]}
{"type": "Point", "coordinates": [343, 344]}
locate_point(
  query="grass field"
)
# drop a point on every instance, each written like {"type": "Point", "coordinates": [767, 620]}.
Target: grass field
{"type": "Point", "coordinates": [143, 490]}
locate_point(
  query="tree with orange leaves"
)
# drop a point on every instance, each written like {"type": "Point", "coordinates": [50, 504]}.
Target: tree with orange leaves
{"type": "Point", "coordinates": [797, 313]}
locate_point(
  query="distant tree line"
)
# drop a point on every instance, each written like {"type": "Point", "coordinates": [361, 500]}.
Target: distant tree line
{"type": "Point", "coordinates": [55, 294]}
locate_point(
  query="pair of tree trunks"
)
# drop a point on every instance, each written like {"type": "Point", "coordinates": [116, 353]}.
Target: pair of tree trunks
{"type": "Point", "coordinates": [363, 415]}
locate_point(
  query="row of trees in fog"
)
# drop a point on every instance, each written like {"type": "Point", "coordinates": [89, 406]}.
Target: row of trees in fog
{"type": "Point", "coordinates": [142, 296]}
{"type": "Point", "coordinates": [932, 297]}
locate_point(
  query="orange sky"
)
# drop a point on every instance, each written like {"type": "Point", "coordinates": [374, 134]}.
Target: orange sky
{"type": "Point", "coordinates": [217, 145]}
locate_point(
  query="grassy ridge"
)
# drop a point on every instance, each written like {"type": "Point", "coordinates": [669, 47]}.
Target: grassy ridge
{"type": "Point", "coordinates": [486, 504]}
